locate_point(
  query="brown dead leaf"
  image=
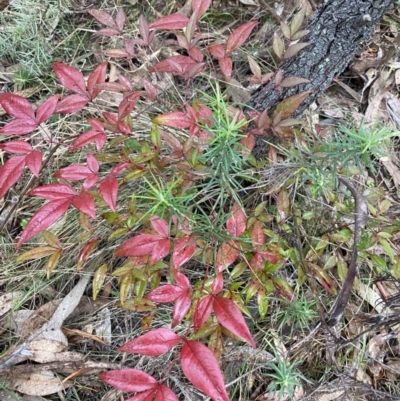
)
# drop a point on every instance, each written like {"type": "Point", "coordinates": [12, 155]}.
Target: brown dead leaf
{"type": "Point", "coordinates": [37, 383]}
{"type": "Point", "coordinates": [9, 300]}
{"type": "Point", "coordinates": [11, 396]}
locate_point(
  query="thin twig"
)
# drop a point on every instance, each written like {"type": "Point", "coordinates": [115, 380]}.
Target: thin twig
{"type": "Point", "coordinates": [360, 221]}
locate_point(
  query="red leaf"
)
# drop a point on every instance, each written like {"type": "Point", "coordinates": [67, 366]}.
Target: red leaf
{"type": "Point", "coordinates": [90, 136]}
{"type": "Point", "coordinates": [110, 32]}
{"type": "Point", "coordinates": [160, 226]}
{"type": "Point", "coordinates": [141, 245]}
{"type": "Point", "coordinates": [85, 203]}
{"type": "Point", "coordinates": [165, 293]}
{"type": "Point", "coordinates": [239, 36]}
{"type": "Point", "coordinates": [108, 190]}
{"type": "Point", "coordinates": [149, 88]}
{"type": "Point", "coordinates": [230, 317]}
{"type": "Point", "coordinates": [153, 343]}
{"type": "Point", "coordinates": [16, 147]}
{"type": "Point", "coordinates": [44, 218]}
{"type": "Point", "coordinates": [19, 127]}
{"type": "Point", "coordinates": [225, 63]}
{"type": "Point", "coordinates": [128, 380]}
{"type": "Point", "coordinates": [175, 64]}
{"type": "Point", "coordinates": [217, 50]}
{"type": "Point", "coordinates": [120, 19]}
{"type": "Point", "coordinates": [92, 163]}
{"type": "Point", "coordinates": [227, 254]}
{"type": "Point", "coordinates": [203, 311]}
{"type": "Point", "coordinates": [103, 17]}
{"type": "Point", "coordinates": [217, 284]}
{"type": "Point", "coordinates": [34, 162]}
{"type": "Point", "coordinates": [182, 280]}
{"type": "Point", "coordinates": [173, 21]}
{"type": "Point", "coordinates": [17, 106]}
{"type": "Point", "coordinates": [73, 172]}
{"type": "Point", "coordinates": [53, 192]}
{"type": "Point", "coordinates": [257, 235]}
{"type": "Point", "coordinates": [175, 119]}
{"type": "Point", "coordinates": [71, 78]}
{"type": "Point", "coordinates": [236, 224]}
{"type": "Point", "coordinates": [164, 393]}
{"type": "Point", "coordinates": [161, 249]}
{"type": "Point", "coordinates": [10, 173]}
{"type": "Point", "coordinates": [201, 6]}
{"type": "Point", "coordinates": [71, 104]}
{"type": "Point", "coordinates": [271, 257]}
{"type": "Point", "coordinates": [46, 109]}
{"type": "Point", "coordinates": [98, 76]}
{"type": "Point", "coordinates": [127, 104]}
{"type": "Point", "coordinates": [181, 308]}
{"type": "Point", "coordinates": [147, 395]}
{"type": "Point", "coordinates": [257, 262]}
{"type": "Point", "coordinates": [202, 369]}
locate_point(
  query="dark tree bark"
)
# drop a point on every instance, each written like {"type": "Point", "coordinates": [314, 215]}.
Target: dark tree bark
{"type": "Point", "coordinates": [337, 30]}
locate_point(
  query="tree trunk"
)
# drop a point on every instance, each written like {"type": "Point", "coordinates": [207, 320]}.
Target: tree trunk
{"type": "Point", "coordinates": [337, 30]}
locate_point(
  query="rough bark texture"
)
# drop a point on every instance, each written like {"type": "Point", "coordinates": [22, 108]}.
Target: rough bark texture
{"type": "Point", "coordinates": [337, 30]}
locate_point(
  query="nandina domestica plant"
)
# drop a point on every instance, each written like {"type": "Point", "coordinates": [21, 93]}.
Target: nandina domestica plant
{"type": "Point", "coordinates": [176, 185]}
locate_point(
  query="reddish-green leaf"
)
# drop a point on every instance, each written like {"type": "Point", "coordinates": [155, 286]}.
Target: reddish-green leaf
{"type": "Point", "coordinates": [98, 280]}
{"type": "Point", "coordinates": [173, 21]}
{"type": "Point", "coordinates": [294, 49]}
{"type": "Point", "coordinates": [36, 253]}
{"type": "Point", "coordinates": [288, 106]}
{"type": "Point", "coordinates": [257, 235]}
{"type": "Point", "coordinates": [154, 343]}
{"type": "Point", "coordinates": [297, 21]}
{"type": "Point", "coordinates": [129, 380]}
{"type": "Point", "coordinates": [230, 317]}
{"type": "Point", "coordinates": [44, 218]}
{"type": "Point", "coordinates": [239, 36]}
{"type": "Point", "coordinates": [85, 252]}
{"type": "Point", "coordinates": [202, 369]}
{"type": "Point", "coordinates": [278, 46]}
{"type": "Point", "coordinates": [292, 81]}
{"type": "Point", "coordinates": [175, 119]}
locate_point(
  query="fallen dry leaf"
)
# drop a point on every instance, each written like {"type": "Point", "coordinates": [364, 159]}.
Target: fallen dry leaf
{"type": "Point", "coordinates": [37, 383]}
